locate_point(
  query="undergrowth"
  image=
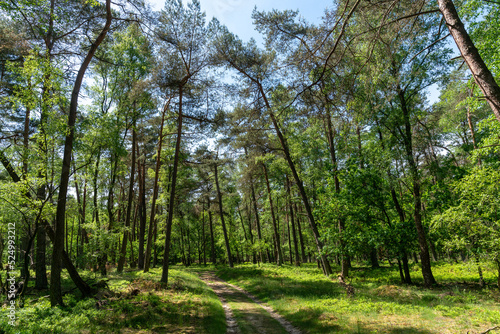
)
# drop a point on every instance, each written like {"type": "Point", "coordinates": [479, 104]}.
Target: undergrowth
{"type": "Point", "coordinates": [134, 303]}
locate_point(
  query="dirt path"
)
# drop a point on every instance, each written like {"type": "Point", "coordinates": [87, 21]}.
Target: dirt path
{"type": "Point", "coordinates": [244, 312]}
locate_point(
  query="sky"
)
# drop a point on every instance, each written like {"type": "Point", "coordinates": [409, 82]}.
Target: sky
{"type": "Point", "coordinates": [237, 14]}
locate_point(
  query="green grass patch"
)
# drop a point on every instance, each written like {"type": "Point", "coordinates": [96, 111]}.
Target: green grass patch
{"type": "Point", "coordinates": [135, 303]}
{"type": "Point", "coordinates": [381, 304]}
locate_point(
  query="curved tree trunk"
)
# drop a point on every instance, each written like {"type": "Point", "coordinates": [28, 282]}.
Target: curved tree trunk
{"type": "Point", "coordinates": [58, 250]}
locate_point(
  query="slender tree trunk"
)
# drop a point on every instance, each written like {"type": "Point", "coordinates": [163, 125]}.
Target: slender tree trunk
{"type": "Point", "coordinates": [341, 224]}
{"type": "Point", "coordinates": [123, 251]}
{"type": "Point", "coordinates": [279, 253]}
{"type": "Point", "coordinates": [155, 248]}
{"type": "Point", "coordinates": [250, 233]}
{"type": "Point", "coordinates": [111, 195]}
{"type": "Point", "coordinates": [479, 271]}
{"type": "Point", "coordinates": [29, 244]}
{"type": "Point", "coordinates": [221, 213]}
{"type": "Point", "coordinates": [142, 216]}
{"type": "Point", "coordinates": [257, 217]}
{"type": "Point", "coordinates": [188, 248]}
{"type": "Point", "coordinates": [203, 240]}
{"type": "Point", "coordinates": [289, 233]}
{"type": "Point", "coordinates": [292, 221]}
{"type": "Point", "coordinates": [478, 68]}
{"type": "Point", "coordinates": [401, 275]}
{"type": "Point", "coordinates": [41, 270]}
{"type": "Point", "coordinates": [170, 216]}
{"type": "Point", "coordinates": [40, 266]}
{"type": "Point", "coordinates": [406, 268]}
{"type": "Point", "coordinates": [284, 145]}
{"type": "Point", "coordinates": [102, 255]}
{"type": "Point", "coordinates": [81, 220]}
{"type": "Point", "coordinates": [244, 232]}
{"type": "Point", "coordinates": [498, 273]}
{"type": "Point", "coordinates": [212, 239]}
{"type": "Point", "coordinates": [256, 211]}
{"type": "Point", "coordinates": [147, 256]}
{"type": "Point", "coordinates": [26, 134]}
{"type": "Point", "coordinates": [242, 224]}
{"type": "Point", "coordinates": [58, 249]}
{"type": "Point", "coordinates": [301, 237]}
{"type": "Point", "coordinates": [417, 196]}
{"type": "Point", "coordinates": [405, 278]}
{"type": "Point", "coordinates": [374, 258]}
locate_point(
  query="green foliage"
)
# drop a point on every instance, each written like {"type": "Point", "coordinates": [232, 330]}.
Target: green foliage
{"type": "Point", "coordinates": [473, 224]}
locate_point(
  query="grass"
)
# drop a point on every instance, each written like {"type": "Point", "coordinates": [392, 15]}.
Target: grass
{"type": "Point", "coordinates": [135, 303]}
{"type": "Point", "coordinates": [316, 304]}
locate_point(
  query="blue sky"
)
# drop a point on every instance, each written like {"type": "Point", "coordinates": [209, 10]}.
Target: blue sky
{"type": "Point", "coordinates": [237, 14]}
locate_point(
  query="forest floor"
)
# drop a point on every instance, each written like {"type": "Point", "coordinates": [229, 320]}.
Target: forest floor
{"type": "Point", "coordinates": [380, 303]}
{"type": "Point", "coordinates": [201, 299]}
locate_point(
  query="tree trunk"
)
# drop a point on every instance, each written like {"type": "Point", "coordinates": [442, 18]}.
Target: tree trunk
{"type": "Point", "coordinates": [279, 253]}
{"type": "Point", "coordinates": [374, 258]}
{"type": "Point", "coordinates": [301, 237]}
{"type": "Point", "coordinates": [212, 239]}
{"type": "Point", "coordinates": [101, 254]}
{"type": "Point", "coordinates": [479, 271]}
{"type": "Point", "coordinates": [319, 244]}
{"type": "Point", "coordinates": [406, 268]}
{"type": "Point", "coordinates": [250, 233]}
{"type": "Point", "coordinates": [417, 196]}
{"type": "Point", "coordinates": [341, 224]}
{"type": "Point", "coordinates": [40, 266]}
{"type": "Point", "coordinates": [123, 251]}
{"type": "Point", "coordinates": [478, 68]}
{"type": "Point", "coordinates": [401, 275]}
{"type": "Point", "coordinates": [58, 249]}
{"type": "Point", "coordinates": [292, 222]}
{"type": "Point", "coordinates": [41, 270]}
{"type": "Point", "coordinates": [82, 204]}
{"type": "Point", "coordinates": [171, 202]}
{"type": "Point", "coordinates": [256, 211]}
{"type": "Point", "coordinates": [203, 240]}
{"type": "Point", "coordinates": [66, 261]}
{"type": "Point", "coordinates": [26, 262]}
{"type": "Point", "coordinates": [142, 216]}
{"type": "Point", "coordinates": [289, 233]}
{"type": "Point", "coordinates": [147, 255]}
{"type": "Point", "coordinates": [498, 273]}
{"type": "Point", "coordinates": [221, 213]}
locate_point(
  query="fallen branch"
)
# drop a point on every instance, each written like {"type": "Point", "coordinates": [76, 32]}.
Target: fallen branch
{"type": "Point", "coordinates": [490, 329]}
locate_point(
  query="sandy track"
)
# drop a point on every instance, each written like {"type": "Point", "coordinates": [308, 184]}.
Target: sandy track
{"type": "Point", "coordinates": [249, 308]}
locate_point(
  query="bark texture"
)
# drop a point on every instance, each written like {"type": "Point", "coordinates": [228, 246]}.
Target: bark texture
{"type": "Point", "coordinates": [478, 68]}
